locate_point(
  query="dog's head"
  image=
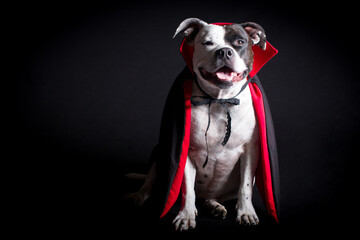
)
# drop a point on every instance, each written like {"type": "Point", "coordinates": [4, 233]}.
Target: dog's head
{"type": "Point", "coordinates": [223, 55]}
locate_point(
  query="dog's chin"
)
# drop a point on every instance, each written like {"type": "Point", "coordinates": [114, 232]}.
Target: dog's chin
{"type": "Point", "coordinates": [223, 78]}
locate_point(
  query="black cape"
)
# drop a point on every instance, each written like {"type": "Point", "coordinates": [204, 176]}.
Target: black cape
{"type": "Point", "coordinates": [170, 154]}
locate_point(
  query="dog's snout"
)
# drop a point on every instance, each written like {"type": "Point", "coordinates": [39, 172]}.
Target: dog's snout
{"type": "Point", "coordinates": [225, 53]}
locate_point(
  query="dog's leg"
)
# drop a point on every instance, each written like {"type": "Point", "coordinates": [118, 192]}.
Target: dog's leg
{"type": "Point", "coordinates": [246, 214]}
{"type": "Point", "coordinates": [216, 209]}
{"type": "Point", "coordinates": [144, 192]}
{"type": "Point", "coordinates": [186, 217]}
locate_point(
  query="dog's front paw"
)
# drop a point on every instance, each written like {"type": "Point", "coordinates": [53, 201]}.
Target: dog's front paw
{"type": "Point", "coordinates": [185, 220]}
{"type": "Point", "coordinates": [246, 215]}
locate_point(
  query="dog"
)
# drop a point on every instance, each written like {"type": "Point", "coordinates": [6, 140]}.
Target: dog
{"type": "Point", "coordinates": [214, 171]}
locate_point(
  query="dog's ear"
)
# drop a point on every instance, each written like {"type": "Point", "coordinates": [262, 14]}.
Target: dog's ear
{"type": "Point", "coordinates": [256, 33]}
{"type": "Point", "coordinates": [189, 28]}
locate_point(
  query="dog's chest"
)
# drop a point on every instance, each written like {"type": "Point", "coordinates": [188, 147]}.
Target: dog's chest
{"type": "Point", "coordinates": [221, 159]}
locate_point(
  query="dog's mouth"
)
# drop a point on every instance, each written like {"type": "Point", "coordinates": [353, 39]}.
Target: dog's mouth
{"type": "Point", "coordinates": [224, 77]}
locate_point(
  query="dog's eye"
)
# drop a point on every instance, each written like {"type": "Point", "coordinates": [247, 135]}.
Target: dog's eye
{"type": "Point", "coordinates": [239, 42]}
{"type": "Point", "coordinates": [207, 43]}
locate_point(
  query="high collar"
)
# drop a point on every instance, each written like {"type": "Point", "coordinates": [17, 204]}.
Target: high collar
{"type": "Point", "coordinates": [261, 57]}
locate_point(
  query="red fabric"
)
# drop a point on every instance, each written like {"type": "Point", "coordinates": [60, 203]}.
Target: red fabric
{"type": "Point", "coordinates": [261, 57]}
{"type": "Point", "coordinates": [263, 171]}
{"type": "Point", "coordinates": [187, 52]}
{"type": "Point", "coordinates": [176, 185]}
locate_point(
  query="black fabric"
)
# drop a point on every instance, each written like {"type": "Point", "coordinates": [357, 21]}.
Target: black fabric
{"type": "Point", "coordinates": [167, 152]}
{"type": "Point", "coordinates": [271, 142]}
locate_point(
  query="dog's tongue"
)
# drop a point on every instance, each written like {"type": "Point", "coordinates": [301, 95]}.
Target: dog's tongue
{"type": "Point", "coordinates": [225, 74]}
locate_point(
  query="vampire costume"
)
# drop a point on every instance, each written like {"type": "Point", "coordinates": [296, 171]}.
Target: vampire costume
{"type": "Point", "coordinates": [171, 152]}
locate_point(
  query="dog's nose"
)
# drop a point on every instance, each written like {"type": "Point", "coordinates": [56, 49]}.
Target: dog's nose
{"type": "Point", "coordinates": [226, 53]}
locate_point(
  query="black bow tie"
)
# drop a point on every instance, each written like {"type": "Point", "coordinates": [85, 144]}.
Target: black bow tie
{"type": "Point", "coordinates": [207, 99]}
{"type": "Point", "coordinates": [210, 100]}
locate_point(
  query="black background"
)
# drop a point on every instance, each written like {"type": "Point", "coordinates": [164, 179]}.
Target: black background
{"type": "Point", "coordinates": [91, 81]}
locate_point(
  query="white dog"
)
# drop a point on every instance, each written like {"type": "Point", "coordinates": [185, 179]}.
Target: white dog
{"type": "Point", "coordinates": [218, 168]}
